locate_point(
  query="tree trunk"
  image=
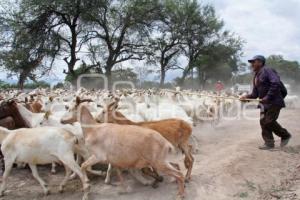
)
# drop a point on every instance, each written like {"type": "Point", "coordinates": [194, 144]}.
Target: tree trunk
{"type": "Point", "coordinates": [162, 77]}
{"type": "Point", "coordinates": [203, 80]}
{"type": "Point", "coordinates": [73, 49]}
{"type": "Point", "coordinates": [108, 68]}
{"type": "Point", "coordinates": [109, 78]}
{"type": "Point", "coordinates": [22, 78]}
{"type": "Point", "coordinates": [184, 75]}
{"type": "Point", "coordinates": [199, 77]}
{"type": "Point", "coordinates": [21, 84]}
{"type": "Point", "coordinates": [73, 45]}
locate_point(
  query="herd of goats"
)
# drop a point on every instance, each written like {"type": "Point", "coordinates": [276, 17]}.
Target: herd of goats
{"type": "Point", "coordinates": [134, 130]}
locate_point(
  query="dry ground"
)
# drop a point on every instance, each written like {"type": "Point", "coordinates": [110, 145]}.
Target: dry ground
{"type": "Point", "coordinates": [228, 166]}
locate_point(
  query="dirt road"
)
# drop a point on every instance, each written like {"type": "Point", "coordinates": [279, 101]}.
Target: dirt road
{"type": "Point", "coordinates": [228, 166]}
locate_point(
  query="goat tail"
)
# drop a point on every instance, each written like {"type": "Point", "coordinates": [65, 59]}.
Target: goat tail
{"type": "Point", "coordinates": [72, 136]}
{"type": "Point", "coordinates": [3, 133]}
{"type": "Point", "coordinates": [171, 154]}
{"type": "Point", "coordinates": [171, 149]}
{"type": "Point", "coordinates": [76, 141]}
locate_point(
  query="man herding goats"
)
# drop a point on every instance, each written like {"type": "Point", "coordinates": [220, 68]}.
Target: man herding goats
{"type": "Point", "coordinates": [271, 92]}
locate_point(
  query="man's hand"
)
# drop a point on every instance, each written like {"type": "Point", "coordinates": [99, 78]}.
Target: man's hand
{"type": "Point", "coordinates": [243, 98]}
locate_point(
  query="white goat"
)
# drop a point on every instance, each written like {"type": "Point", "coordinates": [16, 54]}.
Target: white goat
{"type": "Point", "coordinates": [41, 145]}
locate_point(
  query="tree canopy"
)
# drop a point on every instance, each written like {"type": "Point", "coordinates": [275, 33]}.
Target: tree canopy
{"type": "Point", "coordinates": [102, 35]}
{"type": "Point", "coordinates": [288, 70]}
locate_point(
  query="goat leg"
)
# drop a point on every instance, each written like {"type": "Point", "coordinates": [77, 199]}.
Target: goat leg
{"type": "Point", "coordinates": [108, 174]}
{"type": "Point", "coordinates": [8, 166]}
{"type": "Point", "coordinates": [137, 174]}
{"type": "Point", "coordinates": [168, 169]}
{"type": "Point", "coordinates": [38, 178]}
{"type": "Point", "coordinates": [63, 183]}
{"type": "Point", "coordinates": [53, 168]}
{"type": "Point", "coordinates": [188, 160]}
{"type": "Point", "coordinates": [153, 173]}
{"type": "Point", "coordinates": [126, 189]}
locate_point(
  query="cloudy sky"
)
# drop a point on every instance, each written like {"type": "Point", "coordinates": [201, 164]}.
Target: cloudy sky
{"type": "Point", "coordinates": [267, 26]}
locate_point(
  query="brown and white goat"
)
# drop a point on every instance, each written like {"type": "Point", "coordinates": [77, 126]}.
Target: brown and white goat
{"type": "Point", "coordinates": [33, 105]}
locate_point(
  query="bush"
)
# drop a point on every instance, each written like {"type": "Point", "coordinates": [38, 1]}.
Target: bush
{"type": "Point", "coordinates": [33, 85]}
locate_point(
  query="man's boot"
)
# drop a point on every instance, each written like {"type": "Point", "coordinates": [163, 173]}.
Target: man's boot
{"type": "Point", "coordinates": [267, 147]}
{"type": "Point", "coordinates": [284, 142]}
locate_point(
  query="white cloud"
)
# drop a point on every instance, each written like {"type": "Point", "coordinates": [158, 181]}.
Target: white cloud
{"type": "Point", "coordinates": [269, 27]}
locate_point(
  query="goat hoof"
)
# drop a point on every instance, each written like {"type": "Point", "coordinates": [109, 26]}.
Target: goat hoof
{"type": "Point", "coordinates": [61, 189]}
{"type": "Point", "coordinates": [155, 185]}
{"type": "Point", "coordinates": [46, 192]}
{"type": "Point", "coordinates": [85, 196]}
{"type": "Point", "coordinates": [72, 177]}
{"type": "Point", "coordinates": [160, 179]}
{"type": "Point", "coordinates": [122, 192]}
{"type": "Point", "coordinates": [180, 197]}
{"type": "Point", "coordinates": [126, 190]}
{"type": "Point", "coordinates": [86, 187]}
{"type": "Point", "coordinates": [107, 182]}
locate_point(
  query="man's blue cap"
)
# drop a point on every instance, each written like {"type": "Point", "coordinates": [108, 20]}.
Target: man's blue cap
{"type": "Point", "coordinates": [258, 57]}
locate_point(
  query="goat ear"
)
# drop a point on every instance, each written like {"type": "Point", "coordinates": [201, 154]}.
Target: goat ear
{"type": "Point", "coordinates": [78, 101]}
{"type": "Point", "coordinates": [26, 100]}
{"type": "Point", "coordinates": [50, 98]}
{"type": "Point", "coordinates": [115, 106]}
{"type": "Point", "coordinates": [47, 114]}
{"type": "Point", "coordinates": [111, 105]}
{"type": "Point", "coordinates": [85, 116]}
{"type": "Point", "coordinates": [116, 103]}
{"type": "Point", "coordinates": [117, 99]}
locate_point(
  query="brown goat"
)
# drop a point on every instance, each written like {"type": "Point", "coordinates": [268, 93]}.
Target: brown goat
{"type": "Point", "coordinates": [9, 109]}
{"type": "Point", "coordinates": [71, 117]}
{"type": "Point", "coordinates": [34, 106]}
{"type": "Point", "coordinates": [127, 146]}
{"type": "Point", "coordinates": [175, 131]}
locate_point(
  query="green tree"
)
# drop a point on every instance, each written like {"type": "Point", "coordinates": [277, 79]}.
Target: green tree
{"type": "Point", "coordinates": [82, 69]}
{"type": "Point", "coordinates": [288, 70]}
{"type": "Point", "coordinates": [121, 28]}
{"type": "Point", "coordinates": [66, 21]}
{"type": "Point", "coordinates": [126, 74]}
{"type": "Point", "coordinates": [218, 62]}
{"type": "Point", "coordinates": [165, 44]}
{"type": "Point", "coordinates": [203, 34]}
{"type": "Point", "coordinates": [27, 41]}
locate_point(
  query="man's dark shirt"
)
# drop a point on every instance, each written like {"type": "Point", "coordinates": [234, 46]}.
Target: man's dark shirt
{"type": "Point", "coordinates": [266, 86]}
